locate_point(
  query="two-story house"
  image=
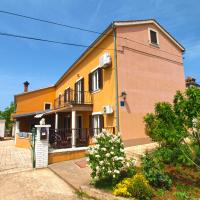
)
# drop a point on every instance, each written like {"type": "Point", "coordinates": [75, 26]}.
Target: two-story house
{"type": "Point", "coordinates": [112, 85]}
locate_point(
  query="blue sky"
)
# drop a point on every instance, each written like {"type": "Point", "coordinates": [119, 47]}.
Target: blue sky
{"type": "Point", "coordinates": [42, 64]}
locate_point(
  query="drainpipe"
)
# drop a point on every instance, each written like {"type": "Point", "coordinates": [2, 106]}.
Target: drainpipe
{"type": "Point", "coordinates": [116, 80]}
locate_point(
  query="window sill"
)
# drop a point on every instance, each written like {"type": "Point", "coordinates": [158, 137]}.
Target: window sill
{"type": "Point", "coordinates": [154, 45]}
{"type": "Point", "coordinates": [96, 91]}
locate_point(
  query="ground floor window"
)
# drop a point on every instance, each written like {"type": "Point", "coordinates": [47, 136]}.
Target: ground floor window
{"type": "Point", "coordinates": [97, 123]}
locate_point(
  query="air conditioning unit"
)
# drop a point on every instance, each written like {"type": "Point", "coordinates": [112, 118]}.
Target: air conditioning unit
{"type": "Point", "coordinates": [107, 109]}
{"type": "Point", "coordinates": [105, 60]}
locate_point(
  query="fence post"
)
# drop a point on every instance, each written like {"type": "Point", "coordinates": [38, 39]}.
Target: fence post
{"type": "Point", "coordinates": [41, 146]}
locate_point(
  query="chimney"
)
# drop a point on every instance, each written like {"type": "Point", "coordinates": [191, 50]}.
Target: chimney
{"type": "Point", "coordinates": [26, 84]}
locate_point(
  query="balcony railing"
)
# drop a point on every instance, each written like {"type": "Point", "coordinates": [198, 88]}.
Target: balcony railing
{"type": "Point", "coordinates": [62, 138]}
{"type": "Point", "coordinates": [72, 97]}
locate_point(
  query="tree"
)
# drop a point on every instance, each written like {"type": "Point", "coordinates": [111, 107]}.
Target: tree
{"type": "Point", "coordinates": [6, 114]}
{"type": "Point", "coordinates": [173, 125]}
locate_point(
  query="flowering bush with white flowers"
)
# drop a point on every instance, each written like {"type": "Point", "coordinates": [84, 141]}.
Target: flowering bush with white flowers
{"type": "Point", "coordinates": [106, 157]}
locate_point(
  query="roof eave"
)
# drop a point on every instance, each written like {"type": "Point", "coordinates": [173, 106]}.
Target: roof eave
{"type": "Point", "coordinates": [86, 52]}
{"type": "Point", "coordinates": [138, 22]}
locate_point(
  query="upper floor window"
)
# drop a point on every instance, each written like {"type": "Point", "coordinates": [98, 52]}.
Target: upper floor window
{"type": "Point", "coordinates": [95, 80]}
{"type": "Point", "coordinates": [67, 95]}
{"type": "Point", "coordinates": [59, 99]}
{"type": "Point", "coordinates": [153, 36]}
{"type": "Point", "coordinates": [47, 106]}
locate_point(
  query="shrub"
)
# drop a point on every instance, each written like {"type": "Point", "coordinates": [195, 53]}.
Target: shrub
{"type": "Point", "coordinates": [106, 157]}
{"type": "Point", "coordinates": [128, 170]}
{"type": "Point", "coordinates": [153, 170]}
{"type": "Point", "coordinates": [137, 187]}
{"type": "Point", "coordinates": [180, 196]}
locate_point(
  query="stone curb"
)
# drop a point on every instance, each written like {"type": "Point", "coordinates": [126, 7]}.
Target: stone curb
{"type": "Point", "coordinates": [98, 194]}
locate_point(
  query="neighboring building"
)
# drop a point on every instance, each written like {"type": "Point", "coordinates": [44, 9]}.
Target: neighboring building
{"type": "Point", "coordinates": [112, 85]}
{"type": "Point", "coordinates": [2, 127]}
{"type": "Point", "coordinates": [190, 81]}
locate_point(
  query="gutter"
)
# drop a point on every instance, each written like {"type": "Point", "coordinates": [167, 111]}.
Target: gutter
{"type": "Point", "coordinates": [116, 79]}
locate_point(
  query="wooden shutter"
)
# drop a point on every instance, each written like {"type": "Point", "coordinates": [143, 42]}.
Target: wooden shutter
{"type": "Point", "coordinates": [91, 130]}
{"type": "Point", "coordinates": [90, 82]}
{"type": "Point", "coordinates": [101, 119]}
{"type": "Point", "coordinates": [75, 92]}
{"type": "Point", "coordinates": [65, 96]}
{"type": "Point", "coordinates": [100, 74]}
{"type": "Point", "coordinates": [82, 91]}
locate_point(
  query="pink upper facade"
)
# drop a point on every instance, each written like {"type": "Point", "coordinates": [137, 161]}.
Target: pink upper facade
{"type": "Point", "coordinates": [148, 74]}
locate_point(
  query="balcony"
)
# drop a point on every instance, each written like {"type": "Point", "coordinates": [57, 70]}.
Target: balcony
{"type": "Point", "coordinates": [72, 97]}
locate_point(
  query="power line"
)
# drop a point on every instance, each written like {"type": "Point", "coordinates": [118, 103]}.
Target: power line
{"type": "Point", "coordinates": [49, 22]}
{"type": "Point", "coordinates": [79, 28]}
{"type": "Point", "coordinates": [50, 41]}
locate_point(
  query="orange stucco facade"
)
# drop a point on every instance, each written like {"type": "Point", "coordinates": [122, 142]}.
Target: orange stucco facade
{"type": "Point", "coordinates": [147, 73]}
{"type": "Point", "coordinates": [34, 101]}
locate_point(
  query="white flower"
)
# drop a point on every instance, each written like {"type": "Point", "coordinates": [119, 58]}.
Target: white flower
{"type": "Point", "coordinates": [122, 150]}
{"type": "Point", "coordinates": [97, 156]}
{"type": "Point", "coordinates": [108, 154]}
{"type": "Point", "coordinates": [103, 149]}
{"type": "Point", "coordinates": [112, 152]}
{"type": "Point", "coordinates": [101, 162]}
{"type": "Point", "coordinates": [116, 171]}
{"type": "Point", "coordinates": [87, 159]}
{"type": "Point", "coordinates": [97, 168]}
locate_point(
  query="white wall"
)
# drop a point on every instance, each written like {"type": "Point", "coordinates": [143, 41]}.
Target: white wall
{"type": "Point", "coordinates": [2, 128]}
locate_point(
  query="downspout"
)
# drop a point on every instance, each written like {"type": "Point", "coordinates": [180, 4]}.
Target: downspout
{"type": "Point", "coordinates": [116, 80]}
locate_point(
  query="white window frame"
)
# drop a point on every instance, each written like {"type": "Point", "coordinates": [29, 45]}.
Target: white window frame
{"type": "Point", "coordinates": [97, 116]}
{"type": "Point", "coordinates": [95, 81]}
{"type": "Point", "coordinates": [149, 33]}
{"type": "Point", "coordinates": [79, 91]}
{"type": "Point", "coordinates": [48, 103]}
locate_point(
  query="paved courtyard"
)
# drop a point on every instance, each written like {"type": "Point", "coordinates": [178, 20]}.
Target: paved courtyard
{"type": "Point", "coordinates": [13, 159]}
{"type": "Point", "coordinates": [18, 180]}
{"type": "Point", "coordinates": [41, 184]}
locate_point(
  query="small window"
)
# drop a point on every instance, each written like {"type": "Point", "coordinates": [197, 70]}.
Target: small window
{"type": "Point", "coordinates": [153, 37]}
{"type": "Point", "coordinates": [47, 106]}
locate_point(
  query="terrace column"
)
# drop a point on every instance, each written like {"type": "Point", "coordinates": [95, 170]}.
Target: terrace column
{"type": "Point", "coordinates": [56, 121]}
{"type": "Point", "coordinates": [16, 129]}
{"type": "Point", "coordinates": [73, 128]}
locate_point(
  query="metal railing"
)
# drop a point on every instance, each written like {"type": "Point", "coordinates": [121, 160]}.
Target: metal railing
{"type": "Point", "coordinates": [72, 97]}
{"type": "Point", "coordinates": [62, 138]}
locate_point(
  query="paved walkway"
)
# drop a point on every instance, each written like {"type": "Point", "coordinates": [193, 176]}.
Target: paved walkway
{"type": "Point", "coordinates": [74, 172]}
{"type": "Point", "coordinates": [13, 159]}
{"type": "Point", "coordinates": [41, 184]}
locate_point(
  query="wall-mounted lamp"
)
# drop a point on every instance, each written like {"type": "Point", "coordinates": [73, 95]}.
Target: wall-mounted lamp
{"type": "Point", "coordinates": [123, 96]}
